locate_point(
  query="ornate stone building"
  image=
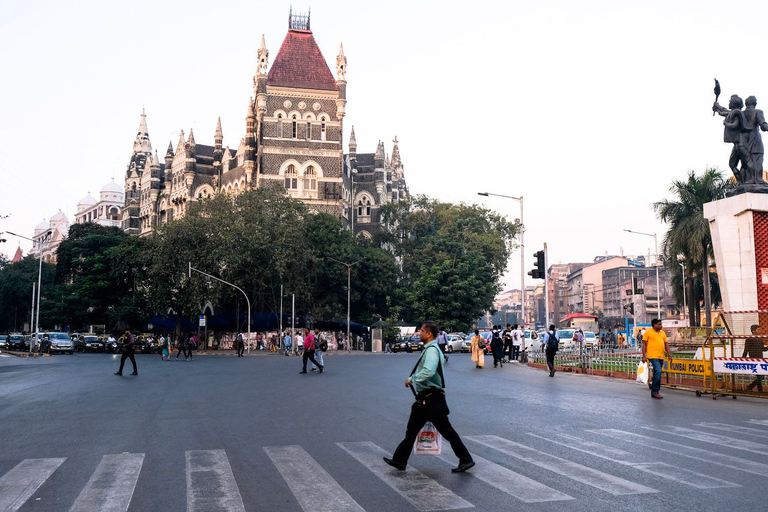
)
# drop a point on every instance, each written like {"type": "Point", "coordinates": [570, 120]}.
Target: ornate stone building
{"type": "Point", "coordinates": [292, 137]}
{"type": "Point", "coordinates": [104, 211]}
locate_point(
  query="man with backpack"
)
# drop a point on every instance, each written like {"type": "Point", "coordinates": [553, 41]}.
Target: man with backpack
{"type": "Point", "coordinates": [321, 345]}
{"type": "Point", "coordinates": [551, 342]}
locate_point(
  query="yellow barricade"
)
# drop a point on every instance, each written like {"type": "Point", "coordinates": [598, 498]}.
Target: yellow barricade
{"type": "Point", "coordinates": [688, 367]}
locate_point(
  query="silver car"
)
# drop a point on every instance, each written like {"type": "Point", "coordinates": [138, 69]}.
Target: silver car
{"type": "Point", "coordinates": [58, 342]}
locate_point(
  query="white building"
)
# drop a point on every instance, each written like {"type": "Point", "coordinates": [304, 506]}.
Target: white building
{"type": "Point", "coordinates": [49, 235]}
{"type": "Point", "coordinates": [106, 211]}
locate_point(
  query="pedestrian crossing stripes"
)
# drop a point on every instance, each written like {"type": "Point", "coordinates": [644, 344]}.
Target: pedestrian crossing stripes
{"type": "Point", "coordinates": [313, 487]}
{"type": "Point", "coordinates": [211, 485]}
{"type": "Point", "coordinates": [420, 490]}
{"type": "Point", "coordinates": [642, 462]}
{"type": "Point", "coordinates": [572, 470]}
{"type": "Point", "coordinates": [111, 486]}
{"type": "Point", "coordinates": [20, 483]}
{"type": "Point", "coordinates": [730, 442]}
{"type": "Point", "coordinates": [709, 456]}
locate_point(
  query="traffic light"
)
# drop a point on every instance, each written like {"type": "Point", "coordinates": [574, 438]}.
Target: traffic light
{"type": "Point", "coordinates": [540, 271]}
{"type": "Point", "coordinates": [630, 308]}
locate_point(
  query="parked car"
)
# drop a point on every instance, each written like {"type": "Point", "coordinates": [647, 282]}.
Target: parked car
{"type": "Point", "coordinates": [16, 341]}
{"type": "Point", "coordinates": [455, 343]}
{"type": "Point", "coordinates": [411, 344]}
{"type": "Point", "coordinates": [53, 342]}
{"type": "Point", "coordinates": [565, 337]}
{"type": "Point", "coordinates": [532, 340]}
{"type": "Point", "coordinates": [467, 343]}
{"type": "Point", "coordinates": [89, 343]}
{"type": "Point", "coordinates": [591, 340]}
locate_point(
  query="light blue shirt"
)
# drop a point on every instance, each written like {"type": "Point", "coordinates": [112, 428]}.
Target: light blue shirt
{"type": "Point", "coordinates": [287, 340]}
{"type": "Point", "coordinates": [426, 374]}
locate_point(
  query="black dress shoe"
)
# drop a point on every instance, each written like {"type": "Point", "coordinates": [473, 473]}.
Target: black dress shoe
{"type": "Point", "coordinates": [396, 465]}
{"type": "Point", "coordinates": [118, 373]}
{"type": "Point", "coordinates": [321, 369]}
{"type": "Point", "coordinates": [305, 371]}
{"type": "Point", "coordinates": [135, 373]}
{"type": "Point", "coordinates": [463, 467]}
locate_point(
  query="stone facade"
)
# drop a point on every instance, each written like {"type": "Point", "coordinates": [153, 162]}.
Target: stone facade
{"type": "Point", "coordinates": [293, 137]}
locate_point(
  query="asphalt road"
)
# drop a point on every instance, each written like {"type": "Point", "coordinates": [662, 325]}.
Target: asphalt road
{"type": "Point", "coordinates": [227, 433]}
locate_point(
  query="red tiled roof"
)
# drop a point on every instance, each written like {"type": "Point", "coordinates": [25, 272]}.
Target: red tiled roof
{"type": "Point", "coordinates": [299, 63]}
{"type": "Point", "coordinates": [17, 256]}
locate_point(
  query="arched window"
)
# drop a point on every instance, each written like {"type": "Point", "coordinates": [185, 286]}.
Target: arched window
{"type": "Point", "coordinates": [295, 127]}
{"type": "Point", "coordinates": [309, 130]}
{"type": "Point", "coordinates": [133, 190]}
{"type": "Point", "coordinates": [291, 178]}
{"type": "Point", "coordinates": [279, 125]}
{"type": "Point", "coordinates": [310, 178]}
{"type": "Point", "coordinates": [364, 207]}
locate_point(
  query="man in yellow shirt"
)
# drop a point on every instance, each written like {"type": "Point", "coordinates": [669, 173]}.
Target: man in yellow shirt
{"type": "Point", "coordinates": [655, 350]}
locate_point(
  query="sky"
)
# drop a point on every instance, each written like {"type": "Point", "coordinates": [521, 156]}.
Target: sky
{"type": "Point", "coordinates": [588, 110]}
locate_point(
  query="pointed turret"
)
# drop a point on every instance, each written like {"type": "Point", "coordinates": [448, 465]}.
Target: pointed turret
{"type": "Point", "coordinates": [191, 140]}
{"type": "Point", "coordinates": [17, 257]}
{"type": "Point", "coordinates": [341, 64]}
{"type": "Point", "coordinates": [379, 156]}
{"type": "Point", "coordinates": [395, 154]}
{"type": "Point", "coordinates": [263, 55]}
{"type": "Point", "coordinates": [352, 149]}
{"type": "Point", "coordinates": [169, 153]}
{"type": "Point", "coordinates": [218, 141]}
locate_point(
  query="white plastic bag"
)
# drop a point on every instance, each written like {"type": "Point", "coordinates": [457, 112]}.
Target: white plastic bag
{"type": "Point", "coordinates": [642, 373]}
{"type": "Point", "coordinates": [429, 441]}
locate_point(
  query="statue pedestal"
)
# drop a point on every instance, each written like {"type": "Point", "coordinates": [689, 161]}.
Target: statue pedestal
{"type": "Point", "coordinates": [739, 227]}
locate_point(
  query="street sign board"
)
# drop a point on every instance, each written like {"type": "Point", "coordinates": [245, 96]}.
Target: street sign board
{"type": "Point", "coordinates": [202, 320]}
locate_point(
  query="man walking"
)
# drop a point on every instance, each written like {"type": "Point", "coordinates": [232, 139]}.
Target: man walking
{"type": "Point", "coordinates": [287, 343]}
{"type": "Point", "coordinates": [753, 347]}
{"type": "Point", "coordinates": [517, 340]}
{"type": "Point", "coordinates": [551, 344]}
{"type": "Point", "coordinates": [428, 381]}
{"type": "Point", "coordinates": [128, 346]}
{"type": "Point", "coordinates": [309, 352]}
{"type": "Point", "coordinates": [609, 340]}
{"type": "Point", "coordinates": [318, 350]}
{"type": "Point", "coordinates": [442, 342]}
{"type": "Point", "coordinates": [506, 337]}
{"type": "Point", "coordinates": [182, 346]}
{"type": "Point", "coordinates": [655, 349]}
{"type": "Point", "coordinates": [240, 344]}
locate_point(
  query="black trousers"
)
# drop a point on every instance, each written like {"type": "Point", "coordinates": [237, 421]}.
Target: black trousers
{"type": "Point", "coordinates": [182, 350]}
{"type": "Point", "coordinates": [240, 349]}
{"type": "Point", "coordinates": [515, 352]}
{"type": "Point", "coordinates": [309, 355]}
{"type": "Point", "coordinates": [127, 354]}
{"type": "Point", "coordinates": [551, 359]}
{"type": "Point", "coordinates": [435, 410]}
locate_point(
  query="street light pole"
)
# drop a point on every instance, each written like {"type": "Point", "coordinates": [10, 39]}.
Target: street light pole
{"type": "Point", "coordinates": [656, 264]}
{"type": "Point", "coordinates": [685, 304]}
{"type": "Point", "coordinates": [189, 274]}
{"type": "Point", "coordinates": [522, 250]}
{"type": "Point", "coordinates": [43, 239]}
{"type": "Point", "coordinates": [349, 290]}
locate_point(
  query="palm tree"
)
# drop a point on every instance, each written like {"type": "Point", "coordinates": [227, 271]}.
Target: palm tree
{"type": "Point", "coordinates": [688, 232]}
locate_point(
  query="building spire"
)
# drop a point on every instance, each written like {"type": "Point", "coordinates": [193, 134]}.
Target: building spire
{"type": "Point", "coordinates": [263, 56]}
{"type": "Point", "coordinates": [341, 64]}
{"type": "Point", "coordinates": [191, 139]}
{"type": "Point", "coordinates": [142, 145]}
{"type": "Point", "coordinates": [352, 139]}
{"type": "Point", "coordinates": [395, 154]}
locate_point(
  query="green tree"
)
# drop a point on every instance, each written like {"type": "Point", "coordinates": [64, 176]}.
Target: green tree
{"type": "Point", "coordinates": [688, 234]}
{"type": "Point", "coordinates": [452, 258]}
{"type": "Point", "coordinates": [16, 280]}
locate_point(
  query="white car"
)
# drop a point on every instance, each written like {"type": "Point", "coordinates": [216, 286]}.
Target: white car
{"type": "Point", "coordinates": [565, 338]}
{"type": "Point", "coordinates": [532, 340]}
{"type": "Point", "coordinates": [591, 340]}
{"type": "Point", "coordinates": [455, 343]}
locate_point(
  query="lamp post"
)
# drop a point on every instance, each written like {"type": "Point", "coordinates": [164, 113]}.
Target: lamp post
{"type": "Point", "coordinates": [656, 264]}
{"type": "Point", "coordinates": [681, 261]}
{"type": "Point", "coordinates": [43, 240]}
{"type": "Point", "coordinates": [522, 250]}
{"type": "Point", "coordinates": [349, 289]}
{"type": "Point", "coordinates": [189, 274]}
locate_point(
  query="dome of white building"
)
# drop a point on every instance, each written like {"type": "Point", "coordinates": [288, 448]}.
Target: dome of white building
{"type": "Point", "coordinates": [59, 218]}
{"type": "Point", "coordinates": [112, 191]}
{"type": "Point", "coordinates": [86, 202]}
{"type": "Point", "coordinates": [42, 227]}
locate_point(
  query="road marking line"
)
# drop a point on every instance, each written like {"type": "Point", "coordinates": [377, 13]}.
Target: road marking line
{"type": "Point", "coordinates": [727, 461]}
{"type": "Point", "coordinates": [111, 486]}
{"type": "Point", "coordinates": [634, 460]}
{"type": "Point", "coordinates": [314, 488]}
{"type": "Point", "coordinates": [210, 482]}
{"type": "Point", "coordinates": [421, 491]}
{"type": "Point", "coordinates": [21, 482]}
{"type": "Point", "coordinates": [735, 429]}
{"type": "Point", "coordinates": [730, 442]}
{"type": "Point", "coordinates": [586, 475]}
{"type": "Point", "coordinates": [520, 486]}
{"type": "Point", "coordinates": [759, 422]}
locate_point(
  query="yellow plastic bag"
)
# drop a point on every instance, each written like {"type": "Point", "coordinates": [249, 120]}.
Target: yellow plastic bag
{"type": "Point", "coordinates": [429, 441]}
{"type": "Point", "coordinates": [642, 373]}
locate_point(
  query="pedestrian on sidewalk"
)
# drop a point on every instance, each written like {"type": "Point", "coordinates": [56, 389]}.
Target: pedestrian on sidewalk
{"type": "Point", "coordinates": [497, 347]}
{"type": "Point", "coordinates": [309, 353]}
{"type": "Point", "coordinates": [753, 347]}
{"type": "Point", "coordinates": [551, 344]}
{"type": "Point", "coordinates": [287, 343]}
{"type": "Point", "coordinates": [517, 340]}
{"type": "Point", "coordinates": [428, 381]}
{"type": "Point", "coordinates": [655, 349]}
{"type": "Point", "coordinates": [128, 353]}
{"type": "Point", "coordinates": [506, 337]}
{"type": "Point", "coordinates": [299, 343]}
{"type": "Point", "coordinates": [240, 344]}
{"type": "Point", "coordinates": [478, 353]}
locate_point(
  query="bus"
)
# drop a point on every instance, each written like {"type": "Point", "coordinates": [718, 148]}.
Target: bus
{"type": "Point", "coordinates": [581, 321]}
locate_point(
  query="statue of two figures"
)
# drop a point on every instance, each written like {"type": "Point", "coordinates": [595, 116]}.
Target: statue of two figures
{"type": "Point", "coordinates": [742, 129]}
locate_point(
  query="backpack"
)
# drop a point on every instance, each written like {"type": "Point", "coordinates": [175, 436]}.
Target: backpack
{"type": "Point", "coordinates": [323, 345]}
{"type": "Point", "coordinates": [481, 343]}
{"type": "Point", "coordinates": [552, 342]}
